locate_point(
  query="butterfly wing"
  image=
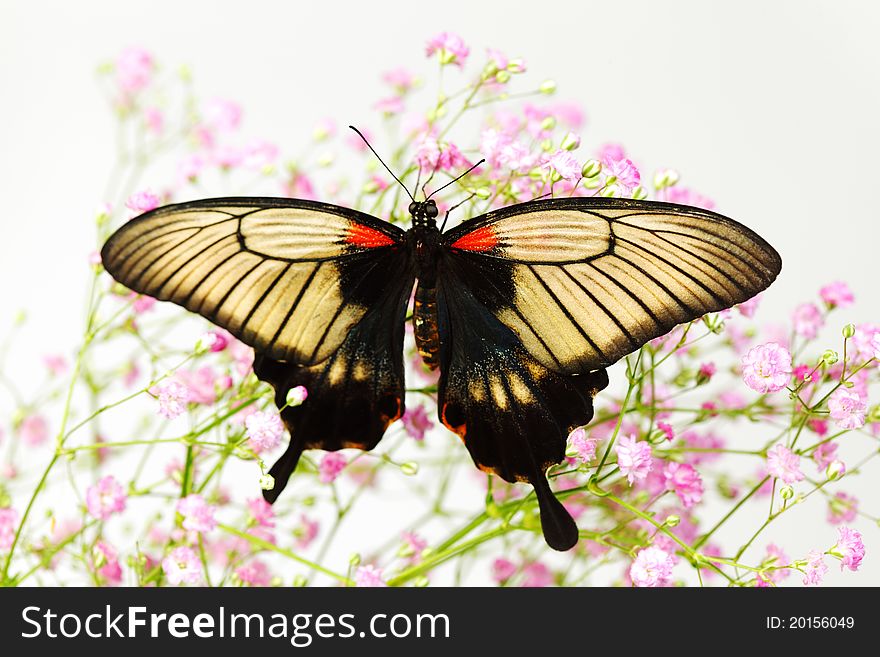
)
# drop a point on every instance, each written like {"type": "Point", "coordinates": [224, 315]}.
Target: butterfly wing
{"type": "Point", "coordinates": [319, 291]}
{"type": "Point", "coordinates": [535, 300]}
{"type": "Point", "coordinates": [584, 281]}
{"type": "Point", "coordinates": [288, 277]}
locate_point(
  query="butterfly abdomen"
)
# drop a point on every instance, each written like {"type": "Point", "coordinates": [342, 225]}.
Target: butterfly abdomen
{"type": "Point", "coordinates": [425, 325]}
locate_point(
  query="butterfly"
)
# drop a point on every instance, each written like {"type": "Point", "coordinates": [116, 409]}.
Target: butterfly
{"type": "Point", "coordinates": [522, 310]}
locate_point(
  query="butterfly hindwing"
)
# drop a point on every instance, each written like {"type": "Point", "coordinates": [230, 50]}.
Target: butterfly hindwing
{"type": "Point", "coordinates": [286, 276]}
{"type": "Point", "coordinates": [584, 281]}
{"type": "Point", "coordinates": [512, 413]}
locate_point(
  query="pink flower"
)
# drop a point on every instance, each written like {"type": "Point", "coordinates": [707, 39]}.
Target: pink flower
{"type": "Point", "coordinates": [105, 498]}
{"type": "Point", "coordinates": [767, 367]}
{"type": "Point", "coordinates": [264, 430]}
{"type": "Point", "coordinates": [837, 295]}
{"type": "Point", "coordinates": [134, 69]}
{"type": "Point", "coordinates": [564, 164]}
{"type": "Point", "coordinates": [259, 153]}
{"type": "Point", "coordinates": [389, 106]}
{"type": "Point", "coordinates": [685, 196]}
{"type": "Point", "coordinates": [623, 171]}
{"type": "Point", "coordinates": [143, 201]}
{"type": "Point", "coordinates": [400, 78]}
{"type": "Point", "coordinates": [776, 559]}
{"type": "Point", "coordinates": [140, 303]}
{"type": "Point", "coordinates": [443, 156]}
{"type": "Point", "coordinates": [815, 568]}
{"type": "Point", "coordinates": [106, 563]}
{"type": "Point", "coordinates": [633, 458]}
{"type": "Point", "coordinates": [807, 320]}
{"type": "Point", "coordinates": [172, 397]}
{"type": "Point", "coordinates": [222, 115]}
{"type": "Point", "coordinates": [784, 464]}
{"type": "Point", "coordinates": [33, 430]}
{"type": "Point", "coordinates": [8, 522]}
{"type": "Point", "coordinates": [849, 549]}
{"type": "Point", "coordinates": [296, 396]}
{"type": "Point", "coordinates": [451, 48]}
{"type": "Point", "coordinates": [749, 307]}
{"type": "Point", "coordinates": [666, 429]}
{"type": "Point", "coordinates": [254, 573]}
{"type": "Point", "coordinates": [685, 481]}
{"type": "Point", "coordinates": [200, 385]}
{"type": "Point", "coordinates": [414, 545]}
{"type": "Point", "coordinates": [866, 342]}
{"type": "Point", "coordinates": [706, 371]}
{"type": "Point", "coordinates": [198, 515]}
{"type": "Point", "coordinates": [261, 512]}
{"type": "Point", "coordinates": [537, 575]}
{"type": "Point", "coordinates": [824, 454]}
{"type": "Point", "coordinates": [154, 120]}
{"type": "Point", "coordinates": [416, 422]}
{"type": "Point", "coordinates": [652, 568]}
{"type": "Point", "coordinates": [583, 447]}
{"type": "Point", "coordinates": [306, 532]}
{"type": "Point", "coordinates": [56, 364]}
{"type": "Point", "coordinates": [842, 508]}
{"type": "Point", "coordinates": [331, 465]}
{"type": "Point", "coordinates": [502, 569]}
{"type": "Point", "coordinates": [368, 576]}
{"type": "Point", "coordinates": [847, 408]}
{"type": "Point", "coordinates": [182, 566]}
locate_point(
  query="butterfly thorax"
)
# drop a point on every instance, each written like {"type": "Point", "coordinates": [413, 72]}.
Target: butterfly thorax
{"type": "Point", "coordinates": [424, 236]}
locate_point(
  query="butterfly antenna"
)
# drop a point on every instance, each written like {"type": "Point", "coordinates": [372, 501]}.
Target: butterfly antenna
{"type": "Point", "coordinates": [383, 163]}
{"type": "Point", "coordinates": [446, 218]}
{"type": "Point", "coordinates": [428, 181]}
{"type": "Point", "coordinates": [456, 179]}
{"type": "Point", "coordinates": [418, 178]}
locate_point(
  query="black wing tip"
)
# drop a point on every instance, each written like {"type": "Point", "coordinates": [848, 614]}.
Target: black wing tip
{"type": "Point", "coordinates": [559, 528]}
{"type": "Point", "coordinates": [282, 470]}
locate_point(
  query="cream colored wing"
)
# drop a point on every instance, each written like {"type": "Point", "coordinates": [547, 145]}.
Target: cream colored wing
{"type": "Point", "coordinates": [584, 281]}
{"type": "Point", "coordinates": [288, 277]}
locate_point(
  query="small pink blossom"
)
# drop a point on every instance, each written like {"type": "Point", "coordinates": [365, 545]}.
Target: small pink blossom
{"type": "Point", "coordinates": [200, 385]}
{"type": "Point", "coordinates": [306, 532]}
{"type": "Point", "coordinates": [685, 196]}
{"type": "Point", "coordinates": [400, 78]}
{"type": "Point", "coordinates": [444, 156]}
{"type": "Point", "coordinates": [583, 447]}
{"type": "Point", "coordinates": [847, 408]}
{"type": "Point", "coordinates": [767, 367]}
{"type": "Point", "coordinates": [837, 295]}
{"type": "Point", "coordinates": [564, 164]}
{"type": "Point", "coordinates": [105, 498]}
{"type": "Point", "coordinates": [652, 568]}
{"type": "Point", "coordinates": [777, 559]}
{"type": "Point", "coordinates": [807, 320]}
{"type": "Point", "coordinates": [254, 573]}
{"type": "Point", "coordinates": [815, 568]}
{"type": "Point", "coordinates": [141, 303]}
{"type": "Point", "coordinates": [450, 47]}
{"type": "Point", "coordinates": [261, 512]}
{"type": "Point", "coordinates": [414, 544]}
{"type": "Point", "coordinates": [866, 342]}
{"type": "Point", "coordinates": [182, 566]}
{"type": "Point", "coordinates": [33, 430]}
{"type": "Point", "coordinates": [198, 515]}
{"type": "Point", "coordinates": [389, 106]}
{"type": "Point", "coordinates": [264, 430]}
{"type": "Point", "coordinates": [537, 575]}
{"type": "Point", "coordinates": [369, 576]}
{"type": "Point", "coordinates": [824, 454]}
{"type": "Point", "coordinates": [134, 69]}
{"type": "Point", "coordinates": [106, 563]}
{"type": "Point", "coordinates": [154, 120]}
{"type": "Point", "coordinates": [258, 154]}
{"type": "Point", "coordinates": [55, 363]}
{"type": "Point", "coordinates": [331, 465]}
{"type": "Point", "coordinates": [750, 307]}
{"type": "Point", "coordinates": [416, 422]}
{"type": "Point", "coordinates": [633, 458]}
{"type": "Point", "coordinates": [784, 464]}
{"type": "Point", "coordinates": [849, 549]}
{"type": "Point", "coordinates": [143, 201]}
{"type": "Point", "coordinates": [842, 508]}
{"type": "Point", "coordinates": [666, 429]}
{"type": "Point", "coordinates": [296, 396]}
{"type": "Point", "coordinates": [502, 569]}
{"type": "Point", "coordinates": [625, 174]}
{"type": "Point", "coordinates": [8, 523]}
{"type": "Point", "coordinates": [172, 397]}
{"type": "Point", "coordinates": [685, 482]}
{"type": "Point", "coordinates": [222, 115]}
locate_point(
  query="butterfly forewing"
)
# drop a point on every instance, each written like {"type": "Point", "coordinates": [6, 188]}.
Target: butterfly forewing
{"type": "Point", "coordinates": [583, 282]}
{"type": "Point", "coordinates": [288, 277]}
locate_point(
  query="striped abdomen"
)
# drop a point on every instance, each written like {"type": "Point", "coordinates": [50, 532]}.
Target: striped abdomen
{"type": "Point", "coordinates": [425, 325]}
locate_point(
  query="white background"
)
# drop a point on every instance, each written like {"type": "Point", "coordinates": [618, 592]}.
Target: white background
{"type": "Point", "coordinates": [770, 108]}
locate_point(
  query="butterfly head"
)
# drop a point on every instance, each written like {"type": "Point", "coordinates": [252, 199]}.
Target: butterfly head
{"type": "Point", "coordinates": [424, 213]}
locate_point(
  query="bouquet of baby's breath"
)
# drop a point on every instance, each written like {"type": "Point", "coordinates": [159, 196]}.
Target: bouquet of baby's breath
{"type": "Point", "coordinates": [141, 461]}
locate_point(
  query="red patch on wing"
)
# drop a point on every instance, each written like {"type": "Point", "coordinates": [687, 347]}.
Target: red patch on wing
{"type": "Point", "coordinates": [482, 239]}
{"type": "Point", "coordinates": [366, 237]}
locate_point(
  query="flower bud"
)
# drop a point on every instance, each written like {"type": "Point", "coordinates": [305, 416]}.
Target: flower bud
{"type": "Point", "coordinates": [570, 142]}
{"type": "Point", "coordinates": [300, 581]}
{"type": "Point", "coordinates": [421, 582]}
{"type": "Point", "coordinates": [672, 520]}
{"type": "Point", "coordinates": [517, 65]}
{"type": "Point", "coordinates": [267, 482]}
{"type": "Point", "coordinates": [296, 396]}
{"type": "Point", "coordinates": [665, 178]}
{"type": "Point", "coordinates": [639, 193]}
{"type": "Point", "coordinates": [548, 87]}
{"type": "Point", "coordinates": [548, 123]}
{"type": "Point", "coordinates": [829, 357]}
{"type": "Point", "coordinates": [787, 492]}
{"type": "Point", "coordinates": [835, 470]}
{"type": "Point", "coordinates": [849, 330]}
{"type": "Point", "coordinates": [409, 468]}
{"type": "Point", "coordinates": [591, 169]}
{"type": "Point", "coordinates": [502, 77]}
{"type": "Point", "coordinates": [354, 560]}
{"type": "Point", "coordinates": [483, 193]}
{"type": "Point", "coordinates": [205, 343]}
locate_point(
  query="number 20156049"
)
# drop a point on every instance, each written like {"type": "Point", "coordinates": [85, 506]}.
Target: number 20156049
{"type": "Point", "coordinates": [810, 622]}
